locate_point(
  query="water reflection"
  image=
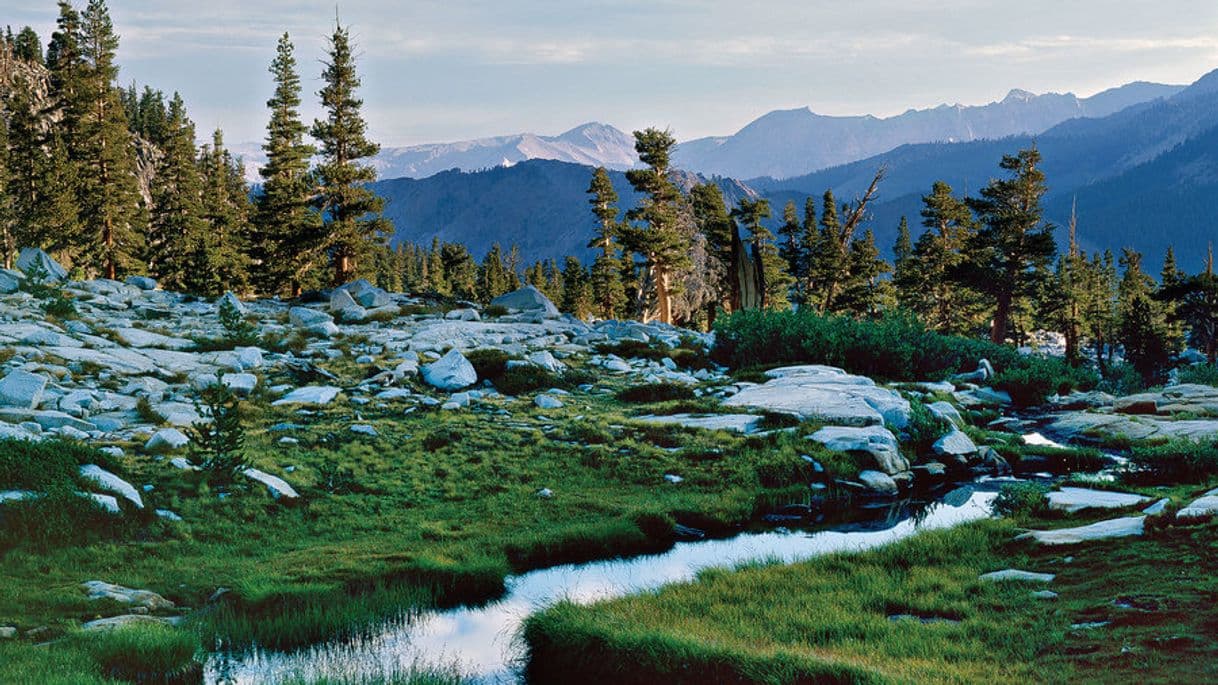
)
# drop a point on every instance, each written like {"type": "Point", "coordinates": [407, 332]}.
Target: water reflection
{"type": "Point", "coordinates": [482, 640]}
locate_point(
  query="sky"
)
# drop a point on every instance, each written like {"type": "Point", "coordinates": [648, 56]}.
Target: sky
{"type": "Point", "coordinates": [445, 70]}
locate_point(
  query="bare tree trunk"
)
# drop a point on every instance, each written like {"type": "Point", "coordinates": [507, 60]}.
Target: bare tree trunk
{"type": "Point", "coordinates": [1002, 315]}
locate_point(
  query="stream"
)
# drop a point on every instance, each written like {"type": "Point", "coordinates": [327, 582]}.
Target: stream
{"type": "Point", "coordinates": [482, 641]}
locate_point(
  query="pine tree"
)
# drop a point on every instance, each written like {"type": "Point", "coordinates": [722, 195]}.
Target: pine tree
{"type": "Point", "coordinates": [1014, 246]}
{"type": "Point", "coordinates": [437, 280]}
{"type": "Point", "coordinates": [460, 271]}
{"type": "Point", "coordinates": [226, 209]}
{"type": "Point", "coordinates": [713, 222]}
{"type": "Point", "coordinates": [606, 281]}
{"type": "Point", "coordinates": [655, 236]}
{"type": "Point", "coordinates": [109, 192]}
{"type": "Point", "coordinates": [1196, 306]}
{"type": "Point", "coordinates": [792, 249]}
{"type": "Point", "coordinates": [178, 233]}
{"type": "Point", "coordinates": [27, 46]}
{"type": "Point", "coordinates": [287, 241]}
{"type": "Point", "coordinates": [492, 275]}
{"type": "Point", "coordinates": [8, 224]}
{"type": "Point", "coordinates": [828, 261]}
{"type": "Point", "coordinates": [905, 277]}
{"type": "Point", "coordinates": [809, 246]}
{"type": "Point", "coordinates": [939, 296]}
{"type": "Point", "coordinates": [1099, 306]}
{"type": "Point", "coordinates": [576, 288]}
{"type": "Point", "coordinates": [865, 293]}
{"type": "Point", "coordinates": [66, 65]}
{"type": "Point", "coordinates": [1142, 328]}
{"type": "Point", "coordinates": [750, 214]}
{"type": "Point", "coordinates": [352, 211]}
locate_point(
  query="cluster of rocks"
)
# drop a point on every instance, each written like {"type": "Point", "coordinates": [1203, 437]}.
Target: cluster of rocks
{"type": "Point", "coordinates": [1184, 411]}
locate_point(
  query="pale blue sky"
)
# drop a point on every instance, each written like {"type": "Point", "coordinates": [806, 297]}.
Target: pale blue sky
{"type": "Point", "coordinates": [440, 70]}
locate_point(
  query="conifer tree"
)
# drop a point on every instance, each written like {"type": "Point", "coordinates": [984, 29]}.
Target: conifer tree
{"type": "Point", "coordinates": [809, 246]}
{"type": "Point", "coordinates": [655, 236]}
{"type": "Point", "coordinates": [1142, 328]}
{"type": "Point", "coordinates": [437, 280]}
{"type": "Point", "coordinates": [938, 294]}
{"type": "Point", "coordinates": [178, 238]}
{"type": "Point", "coordinates": [492, 275]}
{"type": "Point", "coordinates": [606, 278]}
{"type": "Point", "coordinates": [865, 292]}
{"type": "Point", "coordinates": [905, 272]}
{"type": "Point", "coordinates": [287, 241]}
{"type": "Point", "coordinates": [576, 289]}
{"type": "Point", "coordinates": [27, 46]}
{"type": "Point", "coordinates": [460, 271]}
{"type": "Point", "coordinates": [1014, 246]}
{"type": "Point", "coordinates": [226, 209]}
{"type": "Point", "coordinates": [792, 248]}
{"type": "Point", "coordinates": [713, 222]}
{"type": "Point", "coordinates": [750, 214]}
{"type": "Point", "coordinates": [1099, 306]}
{"type": "Point", "coordinates": [1196, 306]}
{"type": "Point", "coordinates": [109, 192]}
{"type": "Point", "coordinates": [351, 210]}
{"type": "Point", "coordinates": [8, 225]}
{"type": "Point", "coordinates": [828, 261]}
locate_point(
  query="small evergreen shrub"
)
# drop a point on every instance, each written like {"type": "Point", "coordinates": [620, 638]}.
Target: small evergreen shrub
{"type": "Point", "coordinates": [220, 442]}
{"type": "Point", "coordinates": [1200, 374]}
{"type": "Point", "coordinates": [1021, 499]}
{"type": "Point", "coordinates": [655, 392]}
{"type": "Point", "coordinates": [237, 330]}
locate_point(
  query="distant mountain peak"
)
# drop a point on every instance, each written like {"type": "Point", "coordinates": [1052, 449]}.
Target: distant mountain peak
{"type": "Point", "coordinates": [1019, 95]}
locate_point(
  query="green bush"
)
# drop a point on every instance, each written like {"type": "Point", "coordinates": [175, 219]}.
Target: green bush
{"type": "Point", "coordinates": [924, 429]}
{"type": "Point", "coordinates": [894, 348]}
{"type": "Point", "coordinates": [488, 362]}
{"type": "Point", "coordinates": [633, 349]}
{"type": "Point", "coordinates": [655, 392]}
{"type": "Point", "coordinates": [1021, 499]}
{"type": "Point", "coordinates": [1180, 461]}
{"type": "Point", "coordinates": [1201, 374]}
{"type": "Point", "coordinates": [526, 378]}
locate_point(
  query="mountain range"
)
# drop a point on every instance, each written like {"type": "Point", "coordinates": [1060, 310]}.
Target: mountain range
{"type": "Point", "coordinates": [792, 142]}
{"type": "Point", "coordinates": [1143, 176]}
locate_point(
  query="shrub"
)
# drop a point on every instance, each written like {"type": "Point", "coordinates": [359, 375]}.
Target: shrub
{"type": "Point", "coordinates": [220, 442]}
{"type": "Point", "coordinates": [1021, 499]}
{"type": "Point", "coordinates": [896, 347]}
{"type": "Point", "coordinates": [488, 362]}
{"type": "Point", "coordinates": [1201, 374]}
{"type": "Point", "coordinates": [632, 349]}
{"type": "Point", "coordinates": [924, 429]}
{"type": "Point", "coordinates": [655, 392]}
{"type": "Point", "coordinates": [1180, 461]}
{"type": "Point", "coordinates": [334, 478]}
{"type": "Point", "coordinates": [494, 311]}
{"type": "Point", "coordinates": [147, 414]}
{"type": "Point", "coordinates": [441, 437]}
{"type": "Point", "coordinates": [524, 379]}
{"type": "Point", "coordinates": [237, 330]}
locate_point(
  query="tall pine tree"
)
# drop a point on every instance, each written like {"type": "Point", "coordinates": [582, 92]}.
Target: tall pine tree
{"type": "Point", "coordinates": [287, 241]}
{"type": "Point", "coordinates": [351, 210]}
{"type": "Point", "coordinates": [606, 279]}
{"type": "Point", "coordinates": [655, 235]}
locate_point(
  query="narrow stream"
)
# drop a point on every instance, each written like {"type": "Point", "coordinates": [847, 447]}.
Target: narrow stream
{"type": "Point", "coordinates": [482, 642]}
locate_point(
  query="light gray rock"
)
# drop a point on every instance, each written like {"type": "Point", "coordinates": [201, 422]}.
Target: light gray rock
{"type": "Point", "coordinates": [1072, 500]}
{"type": "Point", "coordinates": [22, 389]}
{"type": "Point", "coordinates": [826, 394]}
{"type": "Point", "coordinates": [98, 590]}
{"type": "Point", "coordinates": [879, 482]}
{"type": "Point", "coordinates": [1202, 507]}
{"type": "Point", "coordinates": [463, 315]}
{"type": "Point", "coordinates": [545, 360]}
{"type": "Point", "coordinates": [241, 384]}
{"type": "Point", "coordinates": [956, 443]}
{"type": "Point", "coordinates": [345, 308]}
{"type": "Point", "coordinates": [1017, 575]}
{"type": "Point", "coordinates": [736, 423]}
{"type": "Point", "coordinates": [1157, 508]}
{"type": "Point", "coordinates": [946, 412]}
{"type": "Point", "coordinates": [139, 338]}
{"type": "Point", "coordinates": [107, 502]}
{"type": "Point", "coordinates": [303, 317]}
{"type": "Point", "coordinates": [1101, 530]}
{"type": "Point", "coordinates": [363, 429]}
{"type": "Point", "coordinates": [126, 620]}
{"type": "Point", "coordinates": [141, 282]}
{"type": "Point", "coordinates": [547, 402]}
{"type": "Point", "coordinates": [527, 299]}
{"type": "Point", "coordinates": [166, 439]}
{"type": "Point", "coordinates": [877, 441]}
{"type": "Point", "coordinates": [10, 281]}
{"type": "Point", "coordinates": [309, 394]}
{"type": "Point", "coordinates": [277, 486]}
{"type": "Point", "coordinates": [451, 372]}
{"type": "Point", "coordinates": [168, 515]}
{"type": "Point", "coordinates": [983, 397]}
{"type": "Point", "coordinates": [111, 482]}
{"type": "Point", "coordinates": [32, 258]}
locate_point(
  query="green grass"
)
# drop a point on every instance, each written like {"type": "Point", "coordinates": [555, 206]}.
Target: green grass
{"type": "Point", "coordinates": [142, 653]}
{"type": "Point", "coordinates": [828, 620]}
{"type": "Point", "coordinates": [436, 510]}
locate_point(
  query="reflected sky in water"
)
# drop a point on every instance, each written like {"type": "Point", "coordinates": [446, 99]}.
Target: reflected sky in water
{"type": "Point", "coordinates": [482, 641]}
